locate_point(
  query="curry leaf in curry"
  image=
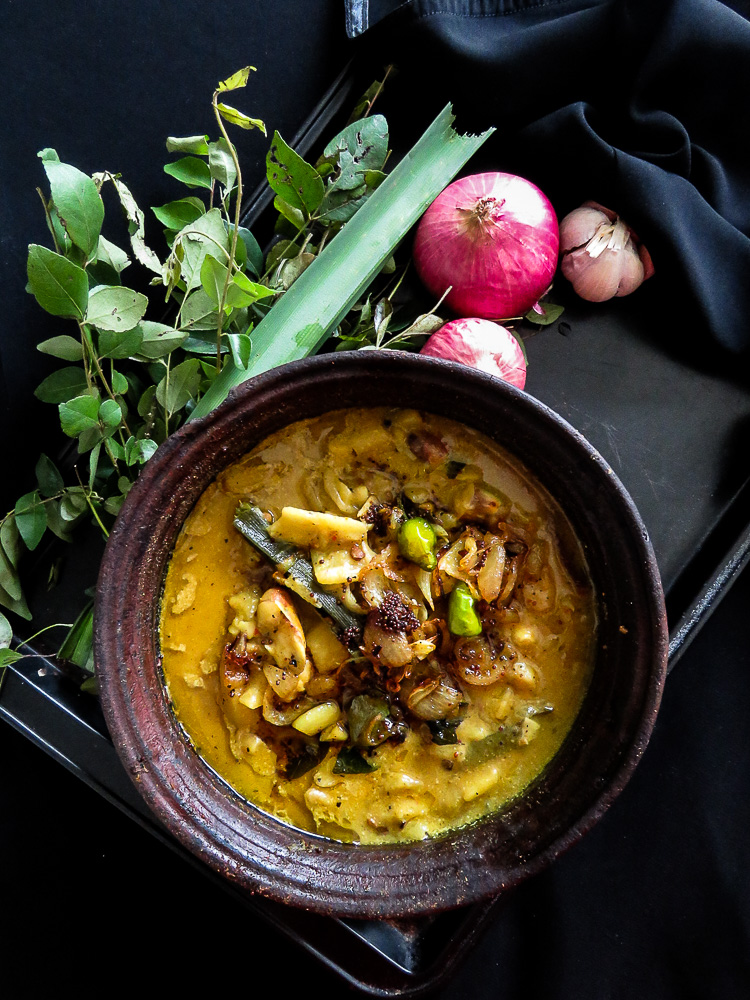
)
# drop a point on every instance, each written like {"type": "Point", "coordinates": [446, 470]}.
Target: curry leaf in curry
{"type": "Point", "coordinates": [443, 731]}
{"type": "Point", "coordinates": [296, 568]}
{"type": "Point", "coordinates": [351, 761]}
{"type": "Point", "coordinates": [304, 759]}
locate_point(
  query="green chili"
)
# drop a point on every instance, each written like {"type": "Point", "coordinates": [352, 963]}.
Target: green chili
{"type": "Point", "coordinates": [462, 613]}
{"type": "Point", "coordinates": [417, 541]}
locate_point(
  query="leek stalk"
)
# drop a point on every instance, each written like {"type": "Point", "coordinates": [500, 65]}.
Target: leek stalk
{"type": "Point", "coordinates": [307, 314]}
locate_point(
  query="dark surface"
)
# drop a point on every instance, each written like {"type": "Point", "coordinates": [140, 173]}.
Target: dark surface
{"type": "Point", "coordinates": [655, 902]}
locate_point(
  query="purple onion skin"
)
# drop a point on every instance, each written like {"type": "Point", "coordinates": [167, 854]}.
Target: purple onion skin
{"type": "Point", "coordinates": [494, 239]}
{"type": "Point", "coordinates": [480, 343]}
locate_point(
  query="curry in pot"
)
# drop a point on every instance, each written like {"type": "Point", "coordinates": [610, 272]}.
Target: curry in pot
{"type": "Point", "coordinates": [377, 626]}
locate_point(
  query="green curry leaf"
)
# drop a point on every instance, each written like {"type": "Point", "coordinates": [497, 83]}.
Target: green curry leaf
{"type": "Point", "coordinates": [197, 145]}
{"type": "Point", "coordinates": [77, 201]}
{"type": "Point", "coordinates": [351, 761]}
{"type": "Point", "coordinates": [158, 339]}
{"type": "Point", "coordinates": [179, 386]}
{"type": "Point", "coordinates": [221, 164]}
{"type": "Point", "coordinates": [79, 414]}
{"type": "Point", "coordinates": [59, 286]}
{"type": "Point", "coordinates": [115, 308]}
{"type": "Point", "coordinates": [207, 236]}
{"type": "Point", "coordinates": [175, 215]}
{"type": "Point", "coordinates": [111, 255]}
{"type": "Point", "coordinates": [31, 519]}
{"type": "Point", "coordinates": [236, 81]}
{"type": "Point", "coordinates": [62, 385]}
{"type": "Point", "coordinates": [6, 632]}
{"type": "Point", "coordinates": [48, 476]}
{"type": "Point", "coordinates": [296, 181]}
{"type": "Point", "coordinates": [235, 117]}
{"type": "Point", "coordinates": [136, 224]}
{"type": "Point", "coordinates": [191, 171]}
{"type": "Point", "coordinates": [119, 344]}
{"type": "Point", "coordinates": [63, 347]}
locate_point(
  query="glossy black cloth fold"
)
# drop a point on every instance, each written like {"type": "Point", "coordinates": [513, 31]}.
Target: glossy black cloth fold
{"type": "Point", "coordinates": [639, 106]}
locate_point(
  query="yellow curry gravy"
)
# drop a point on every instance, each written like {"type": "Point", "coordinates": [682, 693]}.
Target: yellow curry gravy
{"type": "Point", "coordinates": [411, 730]}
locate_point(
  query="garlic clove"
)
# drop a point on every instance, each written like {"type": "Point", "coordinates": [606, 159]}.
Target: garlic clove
{"type": "Point", "coordinates": [631, 270]}
{"type": "Point", "coordinates": [600, 254]}
{"type": "Point", "coordinates": [580, 226]}
{"type": "Point", "coordinates": [595, 279]}
{"type": "Point", "coordinates": [648, 264]}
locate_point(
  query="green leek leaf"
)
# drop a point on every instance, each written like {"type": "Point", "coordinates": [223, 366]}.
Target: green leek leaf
{"type": "Point", "coordinates": [77, 647]}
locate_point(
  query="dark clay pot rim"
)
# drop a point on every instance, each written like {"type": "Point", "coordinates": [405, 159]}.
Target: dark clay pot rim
{"type": "Point", "coordinates": [259, 853]}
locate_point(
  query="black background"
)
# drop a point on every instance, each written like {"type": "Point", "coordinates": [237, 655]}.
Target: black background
{"type": "Point", "coordinates": [654, 903]}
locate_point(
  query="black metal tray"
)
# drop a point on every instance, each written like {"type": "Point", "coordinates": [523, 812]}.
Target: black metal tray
{"type": "Point", "coordinates": [673, 430]}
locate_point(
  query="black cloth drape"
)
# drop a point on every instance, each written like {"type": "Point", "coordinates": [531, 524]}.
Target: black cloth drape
{"type": "Point", "coordinates": [641, 106]}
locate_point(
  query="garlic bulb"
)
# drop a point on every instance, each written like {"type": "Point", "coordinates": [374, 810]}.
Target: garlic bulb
{"type": "Point", "coordinates": [600, 254]}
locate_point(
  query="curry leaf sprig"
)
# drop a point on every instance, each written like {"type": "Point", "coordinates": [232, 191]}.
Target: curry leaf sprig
{"type": "Point", "coordinates": [9, 655]}
{"type": "Point", "coordinates": [127, 380]}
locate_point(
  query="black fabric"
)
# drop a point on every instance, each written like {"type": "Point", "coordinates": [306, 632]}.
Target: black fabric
{"type": "Point", "coordinates": [641, 106]}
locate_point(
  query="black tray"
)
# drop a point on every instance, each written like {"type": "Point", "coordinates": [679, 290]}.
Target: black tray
{"type": "Point", "coordinates": [672, 430]}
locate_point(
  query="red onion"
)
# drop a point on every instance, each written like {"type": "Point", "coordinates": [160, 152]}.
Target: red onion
{"type": "Point", "coordinates": [493, 237]}
{"type": "Point", "coordinates": [481, 344]}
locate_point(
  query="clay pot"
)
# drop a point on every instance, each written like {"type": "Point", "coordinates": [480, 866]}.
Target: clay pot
{"type": "Point", "coordinates": [253, 849]}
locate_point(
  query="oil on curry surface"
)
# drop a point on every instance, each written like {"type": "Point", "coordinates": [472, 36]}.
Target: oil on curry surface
{"type": "Point", "coordinates": [472, 635]}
